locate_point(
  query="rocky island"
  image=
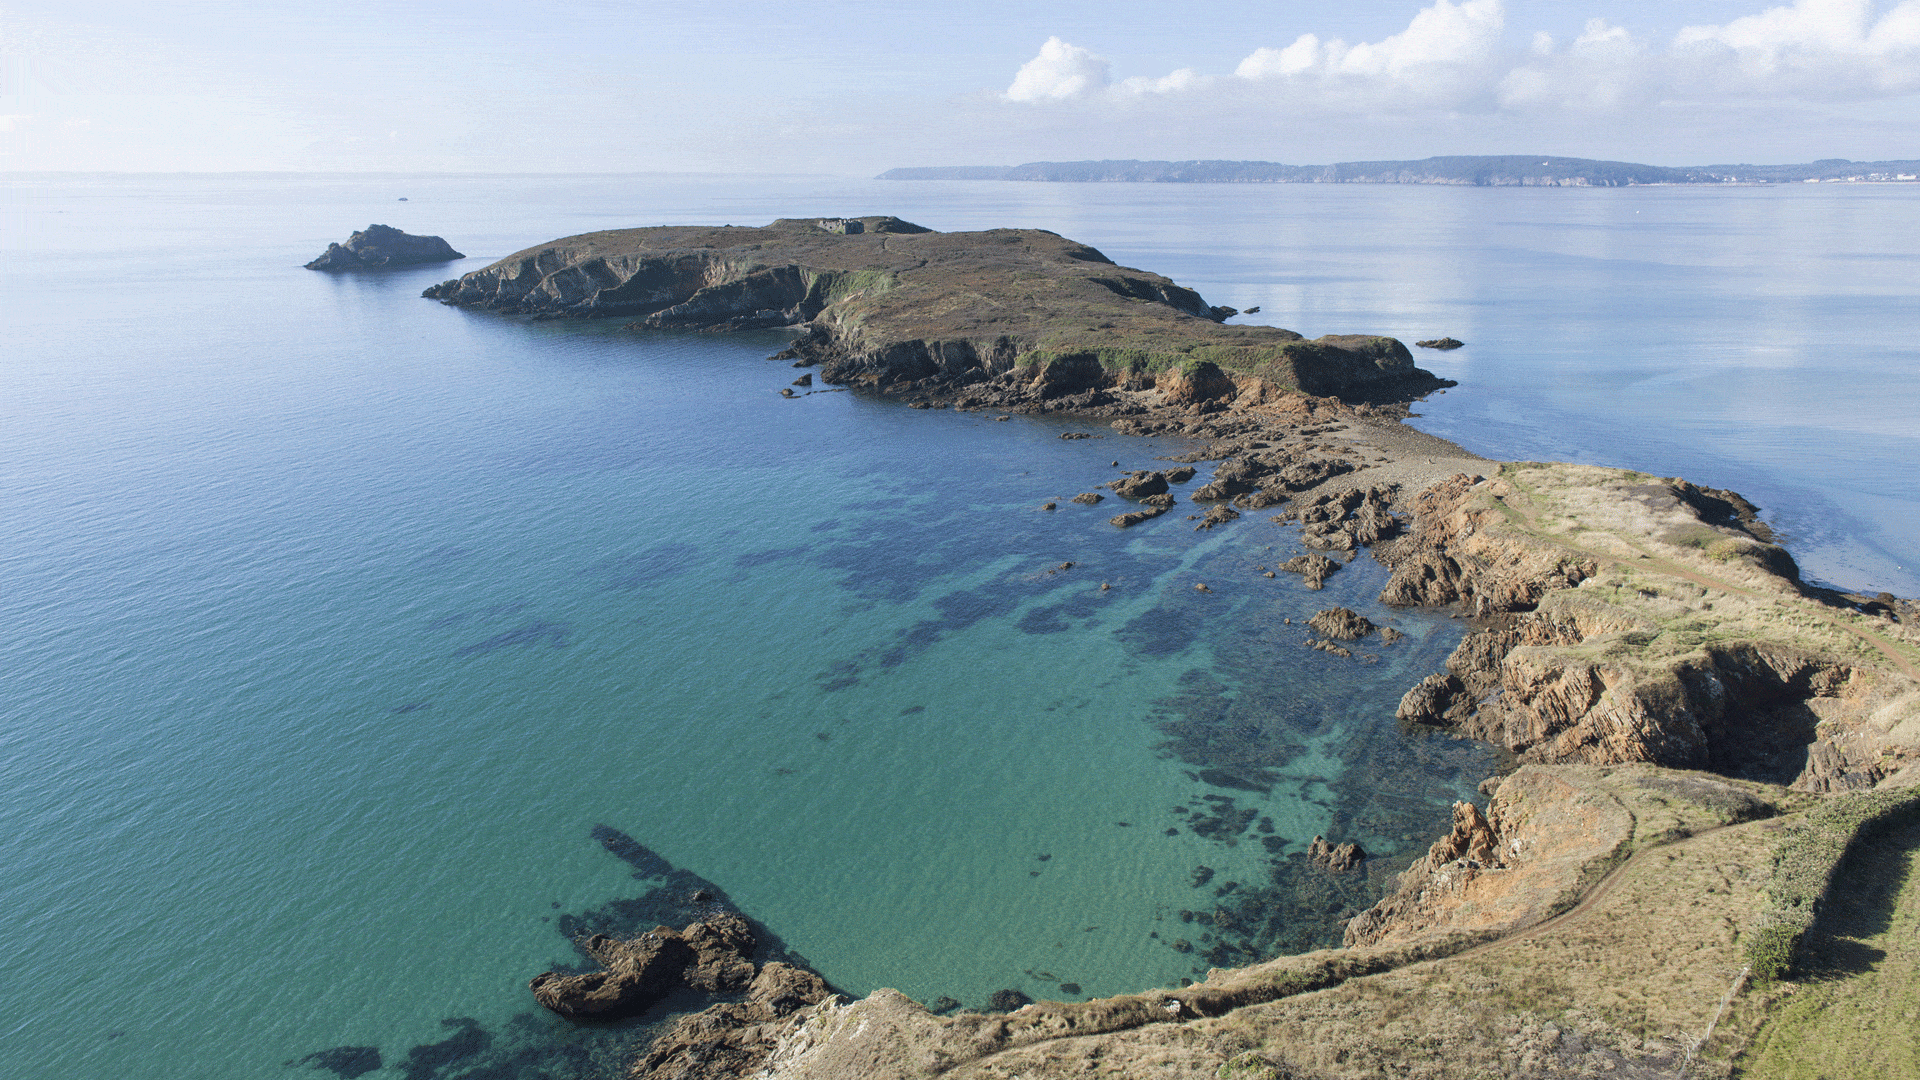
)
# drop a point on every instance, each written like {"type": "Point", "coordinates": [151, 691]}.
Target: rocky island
{"type": "Point", "coordinates": [1709, 809]}
{"type": "Point", "coordinates": [379, 246]}
{"type": "Point", "coordinates": [1022, 316]}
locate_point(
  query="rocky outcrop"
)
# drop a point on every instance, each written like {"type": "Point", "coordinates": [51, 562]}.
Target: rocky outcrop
{"type": "Point", "coordinates": [1313, 566]}
{"type": "Point", "coordinates": [710, 955]}
{"type": "Point", "coordinates": [1334, 857]}
{"type": "Point", "coordinates": [733, 1039]}
{"type": "Point", "coordinates": [1140, 485]}
{"type": "Point", "coordinates": [1004, 318]}
{"type": "Point", "coordinates": [1442, 343]}
{"type": "Point", "coordinates": [1529, 856]}
{"type": "Point", "coordinates": [1691, 645]}
{"type": "Point", "coordinates": [380, 246]}
{"type": "Point", "coordinates": [1341, 624]}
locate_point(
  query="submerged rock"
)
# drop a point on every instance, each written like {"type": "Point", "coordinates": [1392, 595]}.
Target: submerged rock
{"type": "Point", "coordinates": [378, 246]}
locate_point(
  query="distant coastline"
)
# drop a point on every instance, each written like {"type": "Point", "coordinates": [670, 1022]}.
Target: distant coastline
{"type": "Point", "coordinates": [1512, 170]}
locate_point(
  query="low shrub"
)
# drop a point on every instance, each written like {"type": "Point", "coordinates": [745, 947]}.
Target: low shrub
{"type": "Point", "coordinates": [1804, 865]}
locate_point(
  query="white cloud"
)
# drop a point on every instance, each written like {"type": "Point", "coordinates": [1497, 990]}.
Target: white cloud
{"type": "Point", "coordinates": [1814, 48]}
{"type": "Point", "coordinates": [1605, 69]}
{"type": "Point", "coordinates": [1445, 57]}
{"type": "Point", "coordinates": [1455, 57]}
{"type": "Point", "coordinates": [1060, 71]}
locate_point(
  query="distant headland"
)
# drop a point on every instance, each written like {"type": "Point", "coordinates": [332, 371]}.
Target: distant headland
{"type": "Point", "coordinates": [1510, 170]}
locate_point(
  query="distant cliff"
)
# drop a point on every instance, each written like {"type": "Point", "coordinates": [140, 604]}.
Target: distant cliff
{"type": "Point", "coordinates": [1513, 170]}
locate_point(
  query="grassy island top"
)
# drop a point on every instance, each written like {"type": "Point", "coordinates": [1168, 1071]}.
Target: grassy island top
{"type": "Point", "coordinates": [1018, 296]}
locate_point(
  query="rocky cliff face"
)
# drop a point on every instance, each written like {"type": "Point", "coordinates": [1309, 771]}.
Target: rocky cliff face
{"type": "Point", "coordinates": [1625, 618]}
{"type": "Point", "coordinates": [1022, 315]}
{"type": "Point", "coordinates": [379, 246]}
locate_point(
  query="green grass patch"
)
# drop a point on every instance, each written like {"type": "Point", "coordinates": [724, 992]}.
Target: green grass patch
{"type": "Point", "coordinates": [1804, 865]}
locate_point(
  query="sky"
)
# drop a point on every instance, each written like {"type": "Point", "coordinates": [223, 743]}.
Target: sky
{"type": "Point", "coordinates": [854, 87]}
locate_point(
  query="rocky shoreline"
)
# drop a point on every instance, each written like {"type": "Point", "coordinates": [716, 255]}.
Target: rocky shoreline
{"type": "Point", "coordinates": [1651, 662]}
{"type": "Point", "coordinates": [1591, 660]}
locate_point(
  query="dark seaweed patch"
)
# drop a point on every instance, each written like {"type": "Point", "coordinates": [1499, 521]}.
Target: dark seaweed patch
{"type": "Point", "coordinates": [346, 1062]}
{"type": "Point", "coordinates": [1161, 631]}
{"type": "Point", "coordinates": [639, 569]}
{"type": "Point", "coordinates": [756, 558]}
{"type": "Point", "coordinates": [645, 861]}
{"type": "Point", "coordinates": [1045, 620]}
{"type": "Point", "coordinates": [424, 1062]}
{"type": "Point", "coordinates": [411, 706]}
{"type": "Point", "coordinates": [1243, 777]}
{"type": "Point", "coordinates": [533, 633]}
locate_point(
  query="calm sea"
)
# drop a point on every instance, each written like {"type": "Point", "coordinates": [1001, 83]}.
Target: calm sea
{"type": "Point", "coordinates": [340, 623]}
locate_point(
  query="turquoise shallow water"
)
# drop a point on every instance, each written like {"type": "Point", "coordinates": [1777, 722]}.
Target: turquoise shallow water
{"type": "Point", "coordinates": [340, 619]}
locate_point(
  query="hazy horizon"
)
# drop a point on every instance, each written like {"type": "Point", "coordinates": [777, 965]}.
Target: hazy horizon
{"type": "Point", "coordinates": [857, 86]}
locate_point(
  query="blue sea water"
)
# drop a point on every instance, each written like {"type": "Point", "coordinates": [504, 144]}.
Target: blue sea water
{"type": "Point", "coordinates": [338, 620]}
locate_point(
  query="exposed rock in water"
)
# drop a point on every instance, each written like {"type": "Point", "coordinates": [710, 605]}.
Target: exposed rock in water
{"type": "Point", "coordinates": [1137, 516]}
{"type": "Point", "coordinates": [1139, 485]}
{"type": "Point", "coordinates": [1440, 343]}
{"type": "Point", "coordinates": [1335, 857]}
{"type": "Point", "coordinates": [709, 955]}
{"type": "Point", "coordinates": [1007, 1000]}
{"type": "Point", "coordinates": [1218, 514]}
{"type": "Point", "coordinates": [378, 246]}
{"type": "Point", "coordinates": [1313, 566]}
{"type": "Point", "coordinates": [804, 380]}
{"type": "Point", "coordinates": [1089, 498]}
{"type": "Point", "coordinates": [1342, 624]}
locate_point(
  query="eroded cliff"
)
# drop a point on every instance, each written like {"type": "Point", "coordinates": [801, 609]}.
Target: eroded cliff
{"type": "Point", "coordinates": [1625, 617]}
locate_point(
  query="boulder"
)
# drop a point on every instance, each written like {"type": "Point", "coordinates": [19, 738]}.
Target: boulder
{"type": "Point", "coordinates": [722, 945]}
{"type": "Point", "coordinates": [378, 246]}
{"type": "Point", "coordinates": [1136, 517]}
{"type": "Point", "coordinates": [1139, 485]}
{"type": "Point", "coordinates": [1335, 857]}
{"type": "Point", "coordinates": [1341, 624]}
{"type": "Point", "coordinates": [1313, 566]}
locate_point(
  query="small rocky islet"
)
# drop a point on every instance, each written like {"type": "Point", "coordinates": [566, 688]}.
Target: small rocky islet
{"type": "Point", "coordinates": [1647, 660]}
{"type": "Point", "coordinates": [378, 247]}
